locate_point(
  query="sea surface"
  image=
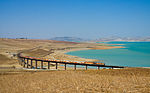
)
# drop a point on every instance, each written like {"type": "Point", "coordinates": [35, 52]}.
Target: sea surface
{"type": "Point", "coordinates": [135, 54]}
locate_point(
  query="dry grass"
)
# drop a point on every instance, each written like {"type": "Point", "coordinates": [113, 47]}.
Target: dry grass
{"type": "Point", "coordinates": [5, 60]}
{"type": "Point", "coordinates": [37, 53]}
{"type": "Point", "coordinates": [80, 81]}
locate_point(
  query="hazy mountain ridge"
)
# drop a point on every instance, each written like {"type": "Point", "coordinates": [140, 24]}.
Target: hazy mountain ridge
{"type": "Point", "coordinates": [75, 39]}
{"type": "Point", "coordinates": [124, 39]}
{"type": "Point", "coordinates": [70, 39]}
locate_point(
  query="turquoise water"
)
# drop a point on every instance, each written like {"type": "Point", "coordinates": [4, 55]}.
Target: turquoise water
{"type": "Point", "coordinates": [135, 54]}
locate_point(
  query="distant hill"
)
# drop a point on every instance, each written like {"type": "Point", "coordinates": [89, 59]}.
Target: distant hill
{"type": "Point", "coordinates": [124, 39]}
{"type": "Point", "coordinates": [70, 39]}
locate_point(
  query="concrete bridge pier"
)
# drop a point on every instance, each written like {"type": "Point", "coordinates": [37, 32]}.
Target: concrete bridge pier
{"type": "Point", "coordinates": [31, 63]}
{"type": "Point", "coordinates": [27, 63]}
{"type": "Point", "coordinates": [65, 67]}
{"type": "Point", "coordinates": [48, 65]}
{"type": "Point", "coordinates": [56, 65]}
{"type": "Point", "coordinates": [74, 66]}
{"type": "Point", "coordinates": [85, 67]}
{"type": "Point", "coordinates": [41, 64]}
{"type": "Point", "coordinates": [36, 64]}
{"type": "Point", "coordinates": [24, 63]}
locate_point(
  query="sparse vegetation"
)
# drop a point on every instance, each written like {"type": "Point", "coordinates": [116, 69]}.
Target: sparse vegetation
{"type": "Point", "coordinates": [80, 81]}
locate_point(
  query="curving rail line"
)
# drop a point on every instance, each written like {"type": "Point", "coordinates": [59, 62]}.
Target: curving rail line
{"type": "Point", "coordinates": [27, 62]}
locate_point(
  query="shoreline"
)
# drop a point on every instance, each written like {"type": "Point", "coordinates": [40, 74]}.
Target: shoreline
{"type": "Point", "coordinates": [111, 47]}
{"type": "Point", "coordinates": [63, 53]}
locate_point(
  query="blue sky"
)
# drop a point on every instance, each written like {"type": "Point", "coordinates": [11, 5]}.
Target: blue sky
{"type": "Point", "coordinates": [91, 19]}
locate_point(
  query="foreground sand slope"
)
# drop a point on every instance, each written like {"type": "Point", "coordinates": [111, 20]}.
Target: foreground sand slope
{"type": "Point", "coordinates": [80, 81]}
